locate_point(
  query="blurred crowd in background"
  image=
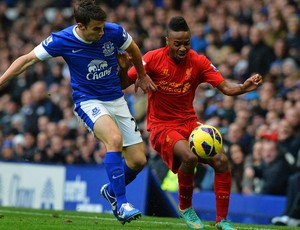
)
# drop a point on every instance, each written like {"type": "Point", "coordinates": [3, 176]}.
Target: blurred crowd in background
{"type": "Point", "coordinates": [261, 130]}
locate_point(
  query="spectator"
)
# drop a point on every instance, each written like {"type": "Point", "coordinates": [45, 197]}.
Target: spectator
{"type": "Point", "coordinates": [18, 143]}
{"type": "Point", "coordinates": [85, 156]}
{"type": "Point", "coordinates": [26, 101]}
{"type": "Point", "coordinates": [41, 105]}
{"type": "Point", "coordinates": [198, 42]}
{"type": "Point", "coordinates": [234, 135]}
{"type": "Point", "coordinates": [288, 140]}
{"type": "Point", "coordinates": [99, 153]}
{"type": "Point", "coordinates": [276, 29]}
{"type": "Point", "coordinates": [260, 55]}
{"type": "Point", "coordinates": [5, 22]}
{"type": "Point", "coordinates": [293, 34]}
{"type": "Point", "coordinates": [243, 120]}
{"type": "Point", "coordinates": [29, 146]}
{"type": "Point", "coordinates": [10, 110]}
{"type": "Point", "coordinates": [292, 116]}
{"type": "Point", "coordinates": [55, 151]}
{"type": "Point", "coordinates": [40, 154]}
{"type": "Point", "coordinates": [266, 93]}
{"type": "Point", "coordinates": [236, 158]}
{"type": "Point", "coordinates": [233, 36]}
{"type": "Point", "coordinates": [226, 112]}
{"type": "Point", "coordinates": [274, 169]}
{"type": "Point", "coordinates": [291, 215]}
{"type": "Point", "coordinates": [250, 183]}
{"type": "Point", "coordinates": [281, 52]}
{"type": "Point", "coordinates": [7, 151]}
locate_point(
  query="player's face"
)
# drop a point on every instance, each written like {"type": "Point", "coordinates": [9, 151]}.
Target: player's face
{"type": "Point", "coordinates": [93, 31]}
{"type": "Point", "coordinates": [179, 44]}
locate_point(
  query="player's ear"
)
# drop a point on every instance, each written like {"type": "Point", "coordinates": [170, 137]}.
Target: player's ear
{"type": "Point", "coordinates": [80, 26]}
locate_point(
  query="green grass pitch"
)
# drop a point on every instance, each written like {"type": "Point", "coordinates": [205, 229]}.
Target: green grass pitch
{"type": "Point", "coordinates": [36, 219]}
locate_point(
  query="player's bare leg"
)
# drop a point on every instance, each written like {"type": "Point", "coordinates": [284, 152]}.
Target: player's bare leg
{"type": "Point", "coordinates": [108, 132]}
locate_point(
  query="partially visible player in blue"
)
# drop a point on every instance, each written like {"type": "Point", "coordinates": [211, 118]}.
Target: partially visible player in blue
{"type": "Point", "coordinates": [90, 49]}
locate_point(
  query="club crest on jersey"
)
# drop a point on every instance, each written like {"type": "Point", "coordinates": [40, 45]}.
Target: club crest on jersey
{"type": "Point", "coordinates": [47, 40]}
{"type": "Point", "coordinates": [97, 69]}
{"type": "Point", "coordinates": [108, 48]}
{"type": "Point", "coordinates": [215, 68]}
{"type": "Point", "coordinates": [95, 111]}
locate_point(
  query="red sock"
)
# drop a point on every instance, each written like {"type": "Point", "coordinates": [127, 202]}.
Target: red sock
{"type": "Point", "coordinates": [186, 186]}
{"type": "Point", "coordinates": [222, 186]}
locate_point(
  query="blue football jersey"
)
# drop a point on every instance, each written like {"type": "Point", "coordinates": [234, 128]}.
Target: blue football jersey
{"type": "Point", "coordinates": [93, 66]}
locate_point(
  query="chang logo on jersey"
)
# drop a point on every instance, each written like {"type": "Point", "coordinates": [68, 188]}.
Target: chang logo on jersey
{"type": "Point", "coordinates": [47, 41]}
{"type": "Point", "coordinates": [98, 69]}
{"type": "Point", "coordinates": [108, 48]}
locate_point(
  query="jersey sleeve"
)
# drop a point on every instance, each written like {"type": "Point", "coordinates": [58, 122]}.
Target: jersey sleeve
{"type": "Point", "coordinates": [119, 35]}
{"type": "Point", "coordinates": [41, 53]}
{"type": "Point", "coordinates": [208, 72]}
{"type": "Point", "coordinates": [126, 38]}
{"type": "Point", "coordinates": [50, 47]}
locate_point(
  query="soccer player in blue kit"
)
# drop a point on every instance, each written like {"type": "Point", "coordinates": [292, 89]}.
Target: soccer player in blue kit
{"type": "Point", "coordinates": [90, 48]}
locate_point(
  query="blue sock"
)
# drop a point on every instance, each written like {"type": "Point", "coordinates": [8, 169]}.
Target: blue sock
{"type": "Point", "coordinates": [116, 176]}
{"type": "Point", "coordinates": [130, 175]}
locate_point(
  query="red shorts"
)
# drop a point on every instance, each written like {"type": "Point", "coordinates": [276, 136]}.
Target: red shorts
{"type": "Point", "coordinates": [164, 138]}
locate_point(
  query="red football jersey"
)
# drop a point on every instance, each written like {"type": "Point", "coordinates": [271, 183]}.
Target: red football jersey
{"type": "Point", "coordinates": [172, 103]}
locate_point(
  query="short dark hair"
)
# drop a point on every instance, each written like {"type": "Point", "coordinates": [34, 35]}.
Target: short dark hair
{"type": "Point", "coordinates": [177, 23]}
{"type": "Point", "coordinates": [85, 10]}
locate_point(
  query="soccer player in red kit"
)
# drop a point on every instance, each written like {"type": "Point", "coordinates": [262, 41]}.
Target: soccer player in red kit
{"type": "Point", "coordinates": [177, 71]}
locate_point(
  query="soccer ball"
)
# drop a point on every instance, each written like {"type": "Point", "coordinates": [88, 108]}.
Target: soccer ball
{"type": "Point", "coordinates": [205, 141]}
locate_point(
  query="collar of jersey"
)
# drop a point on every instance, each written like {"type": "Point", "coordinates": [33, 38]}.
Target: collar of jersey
{"type": "Point", "coordinates": [78, 37]}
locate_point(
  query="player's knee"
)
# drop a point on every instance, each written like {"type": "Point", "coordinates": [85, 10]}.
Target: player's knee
{"type": "Point", "coordinates": [221, 163]}
{"type": "Point", "coordinates": [190, 160]}
{"type": "Point", "coordinates": [136, 160]}
{"type": "Point", "coordinates": [141, 163]}
{"type": "Point", "coordinates": [116, 141]}
{"type": "Point", "coordinates": [137, 163]}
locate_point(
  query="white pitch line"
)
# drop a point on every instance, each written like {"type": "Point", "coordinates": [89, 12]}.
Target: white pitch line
{"type": "Point", "coordinates": [100, 218]}
{"type": "Point", "coordinates": [81, 217]}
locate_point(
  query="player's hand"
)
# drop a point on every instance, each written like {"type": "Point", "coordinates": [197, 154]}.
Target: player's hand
{"type": "Point", "coordinates": [253, 82]}
{"type": "Point", "coordinates": [145, 83]}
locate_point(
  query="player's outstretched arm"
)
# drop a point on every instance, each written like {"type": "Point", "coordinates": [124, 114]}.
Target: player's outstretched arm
{"type": "Point", "coordinates": [143, 81]}
{"type": "Point", "coordinates": [18, 66]}
{"type": "Point", "coordinates": [125, 63]}
{"type": "Point", "coordinates": [230, 88]}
